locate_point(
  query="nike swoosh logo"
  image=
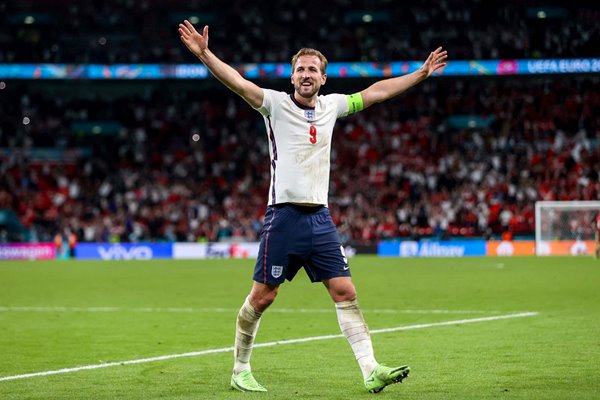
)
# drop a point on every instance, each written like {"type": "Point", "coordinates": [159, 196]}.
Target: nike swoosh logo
{"type": "Point", "coordinates": [347, 267]}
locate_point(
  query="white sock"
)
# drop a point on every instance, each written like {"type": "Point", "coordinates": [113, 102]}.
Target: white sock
{"type": "Point", "coordinates": [245, 331]}
{"type": "Point", "coordinates": [353, 326]}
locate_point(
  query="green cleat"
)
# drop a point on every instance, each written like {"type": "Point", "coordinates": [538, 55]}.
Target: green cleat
{"type": "Point", "coordinates": [383, 376]}
{"type": "Point", "coordinates": [245, 382]}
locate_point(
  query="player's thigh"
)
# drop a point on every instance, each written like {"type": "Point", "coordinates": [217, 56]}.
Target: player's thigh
{"type": "Point", "coordinates": [284, 235]}
{"type": "Point", "coordinates": [327, 263]}
{"type": "Point", "coordinates": [327, 259]}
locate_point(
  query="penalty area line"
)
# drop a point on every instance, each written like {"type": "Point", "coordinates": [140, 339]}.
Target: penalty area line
{"type": "Point", "coordinates": [268, 344]}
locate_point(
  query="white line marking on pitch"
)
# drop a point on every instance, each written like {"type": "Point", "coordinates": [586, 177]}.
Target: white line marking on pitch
{"type": "Point", "coordinates": [269, 344]}
{"type": "Point", "coordinates": [225, 310]}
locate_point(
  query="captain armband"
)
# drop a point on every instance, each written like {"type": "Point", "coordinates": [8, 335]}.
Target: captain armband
{"type": "Point", "coordinates": [355, 103]}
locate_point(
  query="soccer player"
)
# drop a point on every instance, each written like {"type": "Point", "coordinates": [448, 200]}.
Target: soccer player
{"type": "Point", "coordinates": [298, 230]}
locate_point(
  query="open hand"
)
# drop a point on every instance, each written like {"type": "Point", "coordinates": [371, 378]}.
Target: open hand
{"type": "Point", "coordinates": [195, 42]}
{"type": "Point", "coordinates": [435, 61]}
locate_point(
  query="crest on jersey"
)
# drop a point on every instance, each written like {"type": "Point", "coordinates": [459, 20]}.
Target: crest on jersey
{"type": "Point", "coordinates": [310, 115]}
{"type": "Point", "coordinates": [276, 271]}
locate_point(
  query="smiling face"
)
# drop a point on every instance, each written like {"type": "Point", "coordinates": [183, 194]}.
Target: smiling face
{"type": "Point", "coordinates": [307, 77]}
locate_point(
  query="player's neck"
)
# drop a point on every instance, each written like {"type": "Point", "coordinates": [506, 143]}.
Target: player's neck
{"type": "Point", "coordinates": [310, 102]}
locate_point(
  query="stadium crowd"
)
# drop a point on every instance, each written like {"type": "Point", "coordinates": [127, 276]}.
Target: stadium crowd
{"type": "Point", "coordinates": [463, 157]}
{"type": "Point", "coordinates": [127, 31]}
{"type": "Point", "coordinates": [173, 162]}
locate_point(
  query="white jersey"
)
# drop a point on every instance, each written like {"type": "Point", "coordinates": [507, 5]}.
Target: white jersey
{"type": "Point", "coordinates": [300, 145]}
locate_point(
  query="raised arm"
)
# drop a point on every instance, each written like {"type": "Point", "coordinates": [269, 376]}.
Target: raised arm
{"type": "Point", "coordinates": [388, 88]}
{"type": "Point", "coordinates": [198, 44]}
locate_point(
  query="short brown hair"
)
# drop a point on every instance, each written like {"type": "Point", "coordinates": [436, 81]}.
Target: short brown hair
{"type": "Point", "coordinates": [310, 52]}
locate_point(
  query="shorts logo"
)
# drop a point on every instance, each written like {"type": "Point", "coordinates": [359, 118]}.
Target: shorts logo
{"type": "Point", "coordinates": [344, 256]}
{"type": "Point", "coordinates": [276, 271]}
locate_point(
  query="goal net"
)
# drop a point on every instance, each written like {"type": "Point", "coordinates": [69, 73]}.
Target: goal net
{"type": "Point", "coordinates": [565, 227]}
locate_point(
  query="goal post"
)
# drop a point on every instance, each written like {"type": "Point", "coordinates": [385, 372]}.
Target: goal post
{"type": "Point", "coordinates": [565, 227]}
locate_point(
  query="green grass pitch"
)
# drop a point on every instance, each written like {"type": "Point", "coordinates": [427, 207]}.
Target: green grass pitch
{"type": "Point", "coordinates": [56, 315]}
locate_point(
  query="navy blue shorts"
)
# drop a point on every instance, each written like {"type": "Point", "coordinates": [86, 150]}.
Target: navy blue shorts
{"type": "Point", "coordinates": [294, 237]}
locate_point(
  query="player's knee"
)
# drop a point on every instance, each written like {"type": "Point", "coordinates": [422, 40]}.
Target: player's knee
{"type": "Point", "coordinates": [343, 296]}
{"type": "Point", "coordinates": [343, 293]}
{"type": "Point", "coordinates": [341, 289]}
{"type": "Point", "coordinates": [262, 299]}
{"type": "Point", "coordinates": [262, 303]}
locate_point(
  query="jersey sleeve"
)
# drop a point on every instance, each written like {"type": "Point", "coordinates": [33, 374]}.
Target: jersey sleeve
{"type": "Point", "coordinates": [270, 98]}
{"type": "Point", "coordinates": [348, 104]}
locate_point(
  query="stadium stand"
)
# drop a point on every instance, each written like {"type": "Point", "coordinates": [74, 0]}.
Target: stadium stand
{"type": "Point", "coordinates": [126, 31]}
{"type": "Point", "coordinates": [454, 157]}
